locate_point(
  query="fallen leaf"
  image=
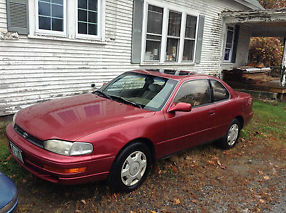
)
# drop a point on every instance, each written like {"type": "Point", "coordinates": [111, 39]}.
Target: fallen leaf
{"type": "Point", "coordinates": [262, 201]}
{"type": "Point", "coordinates": [153, 212]}
{"type": "Point", "coordinates": [132, 211]}
{"type": "Point", "coordinates": [174, 169]}
{"type": "Point", "coordinates": [274, 172]}
{"type": "Point", "coordinates": [177, 201]}
{"type": "Point", "coordinates": [266, 177]}
{"type": "Point", "coordinates": [83, 201]}
{"type": "Point", "coordinates": [78, 211]}
{"type": "Point", "coordinates": [188, 158]}
{"type": "Point", "coordinates": [9, 157]}
{"type": "Point", "coordinates": [211, 162]}
{"type": "Point", "coordinates": [195, 201]}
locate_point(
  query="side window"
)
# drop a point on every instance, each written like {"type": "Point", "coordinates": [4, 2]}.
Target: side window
{"type": "Point", "coordinates": [196, 92]}
{"type": "Point", "coordinates": [219, 91]}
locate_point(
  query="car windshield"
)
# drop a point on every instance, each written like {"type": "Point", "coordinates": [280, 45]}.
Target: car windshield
{"type": "Point", "coordinates": [144, 91]}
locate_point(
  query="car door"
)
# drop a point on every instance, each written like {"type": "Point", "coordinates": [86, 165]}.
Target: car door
{"type": "Point", "coordinates": [224, 108]}
{"type": "Point", "coordinates": [186, 129]}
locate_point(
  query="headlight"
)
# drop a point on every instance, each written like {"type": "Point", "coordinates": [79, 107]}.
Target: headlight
{"type": "Point", "coordinates": [14, 119]}
{"type": "Point", "coordinates": [68, 148]}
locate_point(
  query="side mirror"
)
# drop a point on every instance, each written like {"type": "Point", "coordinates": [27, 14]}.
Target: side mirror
{"type": "Point", "coordinates": [181, 107]}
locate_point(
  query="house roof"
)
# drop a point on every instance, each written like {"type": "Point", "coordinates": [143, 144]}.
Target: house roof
{"type": "Point", "coordinates": [253, 4]}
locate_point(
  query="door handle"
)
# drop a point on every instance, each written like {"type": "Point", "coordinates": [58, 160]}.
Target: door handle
{"type": "Point", "coordinates": [212, 112]}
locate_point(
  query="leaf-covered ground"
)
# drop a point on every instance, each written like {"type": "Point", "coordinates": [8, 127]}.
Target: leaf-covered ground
{"type": "Point", "coordinates": [249, 178]}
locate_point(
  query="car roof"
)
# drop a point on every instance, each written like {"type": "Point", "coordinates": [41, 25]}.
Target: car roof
{"type": "Point", "coordinates": [172, 74]}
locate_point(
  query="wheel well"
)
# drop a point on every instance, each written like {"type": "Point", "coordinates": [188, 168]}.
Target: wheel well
{"type": "Point", "coordinates": [146, 141]}
{"type": "Point", "coordinates": [241, 121]}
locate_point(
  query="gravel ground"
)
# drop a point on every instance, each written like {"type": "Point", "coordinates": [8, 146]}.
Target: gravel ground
{"type": "Point", "coordinates": [249, 178]}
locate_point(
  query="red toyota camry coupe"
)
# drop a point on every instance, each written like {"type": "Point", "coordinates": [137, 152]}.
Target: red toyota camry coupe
{"type": "Point", "coordinates": [116, 132]}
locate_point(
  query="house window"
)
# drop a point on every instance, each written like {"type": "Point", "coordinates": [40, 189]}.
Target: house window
{"type": "Point", "coordinates": [190, 38]}
{"type": "Point", "coordinates": [170, 35]}
{"type": "Point", "coordinates": [68, 19]}
{"type": "Point", "coordinates": [229, 44]}
{"type": "Point", "coordinates": [51, 15]}
{"type": "Point", "coordinates": [88, 17]}
{"type": "Point", "coordinates": [154, 33]}
{"type": "Point", "coordinates": [173, 37]}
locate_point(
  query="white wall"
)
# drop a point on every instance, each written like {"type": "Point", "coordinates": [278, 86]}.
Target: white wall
{"type": "Point", "coordinates": [3, 20]}
{"type": "Point", "coordinates": [34, 70]}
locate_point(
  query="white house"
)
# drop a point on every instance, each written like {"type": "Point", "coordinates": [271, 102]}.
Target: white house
{"type": "Point", "coordinates": [55, 48]}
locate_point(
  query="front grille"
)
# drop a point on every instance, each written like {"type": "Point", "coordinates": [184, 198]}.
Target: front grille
{"type": "Point", "coordinates": [29, 137]}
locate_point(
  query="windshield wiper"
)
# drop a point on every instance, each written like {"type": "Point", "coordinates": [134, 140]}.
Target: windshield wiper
{"type": "Point", "coordinates": [103, 94]}
{"type": "Point", "coordinates": [127, 101]}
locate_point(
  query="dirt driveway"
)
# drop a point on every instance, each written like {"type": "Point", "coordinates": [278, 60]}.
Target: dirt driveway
{"type": "Point", "coordinates": [249, 178]}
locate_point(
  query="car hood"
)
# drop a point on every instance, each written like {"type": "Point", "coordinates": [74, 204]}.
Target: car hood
{"type": "Point", "coordinates": [8, 190]}
{"type": "Point", "coordinates": [74, 117]}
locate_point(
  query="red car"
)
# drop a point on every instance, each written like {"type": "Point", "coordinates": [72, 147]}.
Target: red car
{"type": "Point", "coordinates": [117, 131]}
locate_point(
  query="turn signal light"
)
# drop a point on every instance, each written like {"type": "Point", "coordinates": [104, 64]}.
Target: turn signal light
{"type": "Point", "coordinates": [66, 171]}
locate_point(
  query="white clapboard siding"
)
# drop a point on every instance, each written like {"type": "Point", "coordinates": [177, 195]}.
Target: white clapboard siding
{"type": "Point", "coordinates": [34, 70]}
{"type": "Point", "coordinates": [3, 19]}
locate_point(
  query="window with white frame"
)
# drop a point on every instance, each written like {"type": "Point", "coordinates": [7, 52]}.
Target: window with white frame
{"type": "Point", "coordinates": [229, 44]}
{"type": "Point", "coordinates": [81, 19]}
{"type": "Point", "coordinates": [51, 15]}
{"type": "Point", "coordinates": [154, 33]}
{"type": "Point", "coordinates": [88, 17]}
{"type": "Point", "coordinates": [170, 35]}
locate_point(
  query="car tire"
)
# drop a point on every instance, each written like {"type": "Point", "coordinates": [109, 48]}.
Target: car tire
{"type": "Point", "coordinates": [232, 135]}
{"type": "Point", "coordinates": [130, 167]}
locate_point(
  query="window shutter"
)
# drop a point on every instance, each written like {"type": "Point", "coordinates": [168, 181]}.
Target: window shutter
{"type": "Point", "coordinates": [200, 34]}
{"type": "Point", "coordinates": [17, 16]}
{"type": "Point", "coordinates": [235, 42]}
{"type": "Point", "coordinates": [138, 6]}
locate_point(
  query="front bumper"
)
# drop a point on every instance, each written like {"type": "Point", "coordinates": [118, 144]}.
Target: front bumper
{"type": "Point", "coordinates": [35, 158]}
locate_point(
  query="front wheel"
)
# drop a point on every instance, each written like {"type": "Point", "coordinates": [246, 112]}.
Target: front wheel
{"type": "Point", "coordinates": [232, 135]}
{"type": "Point", "coordinates": [130, 167]}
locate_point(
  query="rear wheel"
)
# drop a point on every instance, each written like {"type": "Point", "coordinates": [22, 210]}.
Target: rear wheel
{"type": "Point", "coordinates": [232, 135]}
{"type": "Point", "coordinates": [130, 167]}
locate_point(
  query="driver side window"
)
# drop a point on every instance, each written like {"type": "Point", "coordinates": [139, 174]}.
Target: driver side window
{"type": "Point", "coordinates": [195, 92]}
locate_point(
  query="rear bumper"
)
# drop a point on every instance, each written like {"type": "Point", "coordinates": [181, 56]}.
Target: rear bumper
{"type": "Point", "coordinates": [35, 158]}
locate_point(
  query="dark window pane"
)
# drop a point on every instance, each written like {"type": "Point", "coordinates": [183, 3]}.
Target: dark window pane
{"type": "Point", "coordinates": [229, 37]}
{"type": "Point", "coordinates": [153, 46]}
{"type": "Point", "coordinates": [155, 19]}
{"type": "Point", "coordinates": [82, 15]}
{"type": "Point", "coordinates": [172, 49]}
{"type": "Point", "coordinates": [92, 5]}
{"type": "Point", "coordinates": [92, 29]}
{"type": "Point", "coordinates": [188, 50]}
{"type": "Point", "coordinates": [195, 92]}
{"type": "Point", "coordinates": [227, 54]}
{"type": "Point", "coordinates": [44, 9]}
{"type": "Point", "coordinates": [44, 23]}
{"type": "Point", "coordinates": [174, 26]}
{"type": "Point", "coordinates": [57, 11]}
{"type": "Point", "coordinates": [82, 28]}
{"type": "Point", "coordinates": [82, 4]}
{"type": "Point", "coordinates": [58, 2]}
{"type": "Point", "coordinates": [219, 91]}
{"type": "Point", "coordinates": [92, 17]}
{"type": "Point", "coordinates": [57, 24]}
{"type": "Point", "coordinates": [191, 24]}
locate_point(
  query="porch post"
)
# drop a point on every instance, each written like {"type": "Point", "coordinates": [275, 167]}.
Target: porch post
{"type": "Point", "coordinates": [283, 72]}
{"type": "Point", "coordinates": [284, 53]}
